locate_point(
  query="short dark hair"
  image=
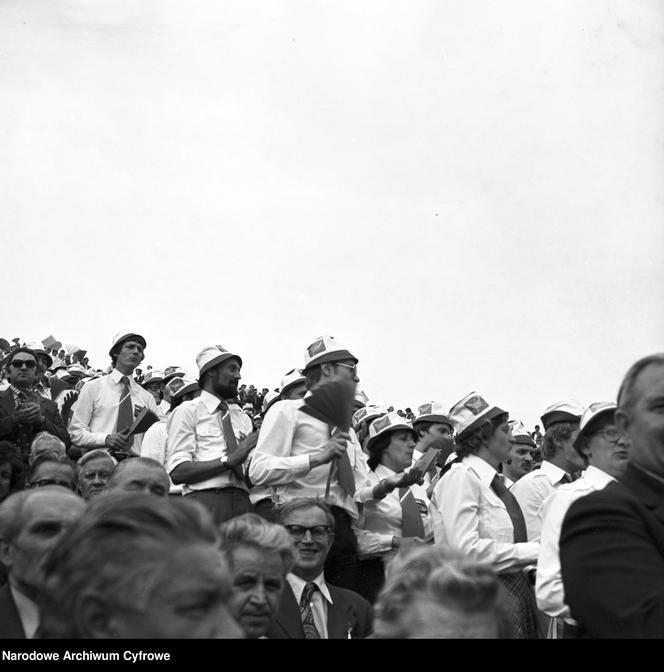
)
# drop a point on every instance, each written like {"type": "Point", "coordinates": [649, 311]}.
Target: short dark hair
{"type": "Point", "coordinates": [10, 357]}
{"type": "Point", "coordinates": [378, 445]}
{"type": "Point", "coordinates": [555, 436]}
{"type": "Point", "coordinates": [626, 396]}
{"type": "Point", "coordinates": [471, 444]}
{"type": "Point", "coordinates": [304, 503]}
{"type": "Point", "coordinates": [312, 376]}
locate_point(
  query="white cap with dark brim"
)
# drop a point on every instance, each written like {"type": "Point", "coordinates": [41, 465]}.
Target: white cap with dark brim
{"type": "Point", "coordinates": [211, 356]}
{"type": "Point", "coordinates": [391, 422]}
{"type": "Point", "coordinates": [593, 411]}
{"type": "Point", "coordinates": [520, 434]}
{"type": "Point", "coordinates": [471, 413]}
{"type": "Point", "coordinates": [433, 411]}
{"type": "Point", "coordinates": [123, 336]}
{"type": "Point", "coordinates": [562, 411]}
{"type": "Point", "coordinates": [292, 378]}
{"type": "Point", "coordinates": [326, 349]}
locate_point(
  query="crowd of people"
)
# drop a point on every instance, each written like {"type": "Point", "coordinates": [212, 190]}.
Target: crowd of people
{"type": "Point", "coordinates": [154, 504]}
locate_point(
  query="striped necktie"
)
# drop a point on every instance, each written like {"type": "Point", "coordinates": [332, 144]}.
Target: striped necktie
{"type": "Point", "coordinates": [126, 408]}
{"type": "Point", "coordinates": [307, 615]}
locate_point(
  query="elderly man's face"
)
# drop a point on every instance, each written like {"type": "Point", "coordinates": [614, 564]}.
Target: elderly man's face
{"type": "Point", "coordinates": [258, 581]}
{"type": "Point", "coordinates": [45, 517]}
{"type": "Point", "coordinates": [94, 475]}
{"type": "Point", "coordinates": [132, 476]}
{"type": "Point", "coordinates": [53, 473]}
{"type": "Point", "coordinates": [644, 424]}
{"type": "Point", "coordinates": [314, 542]}
{"type": "Point", "coordinates": [188, 601]}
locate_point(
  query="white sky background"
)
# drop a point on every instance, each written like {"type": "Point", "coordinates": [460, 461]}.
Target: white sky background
{"type": "Point", "coordinates": [469, 194]}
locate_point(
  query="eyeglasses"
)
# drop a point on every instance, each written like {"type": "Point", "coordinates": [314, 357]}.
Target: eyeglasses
{"type": "Point", "coordinates": [318, 532]}
{"type": "Point", "coordinates": [611, 434]}
{"type": "Point", "coordinates": [20, 363]}
{"type": "Point", "coordinates": [352, 367]}
{"type": "Point", "coordinates": [42, 482]}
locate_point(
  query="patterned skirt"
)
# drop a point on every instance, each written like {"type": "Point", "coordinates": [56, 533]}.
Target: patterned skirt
{"type": "Point", "coordinates": [521, 605]}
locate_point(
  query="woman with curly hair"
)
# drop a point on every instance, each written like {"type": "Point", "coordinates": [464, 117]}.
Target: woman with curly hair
{"type": "Point", "coordinates": [478, 516]}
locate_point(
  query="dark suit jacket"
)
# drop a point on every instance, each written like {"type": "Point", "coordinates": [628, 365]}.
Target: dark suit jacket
{"type": "Point", "coordinates": [349, 611]}
{"type": "Point", "coordinates": [52, 420]}
{"type": "Point", "coordinates": [612, 558]}
{"type": "Point", "coordinates": [10, 622]}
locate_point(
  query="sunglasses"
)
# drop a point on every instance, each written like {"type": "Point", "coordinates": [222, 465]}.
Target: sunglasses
{"type": "Point", "coordinates": [20, 363]}
{"type": "Point", "coordinates": [318, 532]}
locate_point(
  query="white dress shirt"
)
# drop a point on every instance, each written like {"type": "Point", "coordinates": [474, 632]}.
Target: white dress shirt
{"type": "Point", "coordinates": [154, 446]}
{"type": "Point", "coordinates": [380, 519]}
{"type": "Point", "coordinates": [470, 517]}
{"type": "Point", "coordinates": [549, 582]}
{"type": "Point", "coordinates": [195, 434]}
{"type": "Point", "coordinates": [532, 489]}
{"type": "Point", "coordinates": [95, 413]}
{"type": "Point", "coordinates": [28, 612]}
{"type": "Point", "coordinates": [287, 440]}
{"type": "Point", "coordinates": [319, 600]}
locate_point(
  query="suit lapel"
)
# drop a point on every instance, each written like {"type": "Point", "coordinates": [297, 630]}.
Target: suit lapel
{"type": "Point", "coordinates": [338, 619]}
{"type": "Point", "coordinates": [7, 401]}
{"type": "Point", "coordinates": [647, 489]}
{"type": "Point", "coordinates": [288, 618]}
{"type": "Point", "coordinates": [11, 626]}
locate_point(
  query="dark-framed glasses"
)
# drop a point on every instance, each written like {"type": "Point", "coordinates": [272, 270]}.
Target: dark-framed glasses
{"type": "Point", "coordinates": [318, 532]}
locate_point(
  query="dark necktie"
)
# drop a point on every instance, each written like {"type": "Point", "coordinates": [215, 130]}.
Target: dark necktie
{"type": "Point", "coordinates": [126, 409]}
{"type": "Point", "coordinates": [307, 615]}
{"type": "Point", "coordinates": [411, 520]}
{"type": "Point", "coordinates": [230, 438]}
{"type": "Point", "coordinates": [566, 479]}
{"type": "Point", "coordinates": [513, 508]}
{"type": "Point", "coordinates": [344, 472]}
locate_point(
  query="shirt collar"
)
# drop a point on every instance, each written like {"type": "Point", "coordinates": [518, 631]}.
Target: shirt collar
{"type": "Point", "coordinates": [482, 468]}
{"type": "Point", "coordinates": [298, 584]}
{"type": "Point", "coordinates": [554, 473]}
{"type": "Point", "coordinates": [596, 476]}
{"type": "Point", "coordinates": [28, 612]}
{"type": "Point", "coordinates": [116, 376]}
{"type": "Point", "coordinates": [209, 401]}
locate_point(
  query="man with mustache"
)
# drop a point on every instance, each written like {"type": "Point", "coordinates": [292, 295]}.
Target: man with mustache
{"type": "Point", "coordinates": [106, 406]}
{"type": "Point", "coordinates": [208, 439]}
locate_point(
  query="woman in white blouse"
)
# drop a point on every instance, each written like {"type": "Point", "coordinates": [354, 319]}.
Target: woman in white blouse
{"type": "Point", "coordinates": [395, 510]}
{"type": "Point", "coordinates": [477, 515]}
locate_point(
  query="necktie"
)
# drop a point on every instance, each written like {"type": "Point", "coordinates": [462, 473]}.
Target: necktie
{"type": "Point", "coordinates": [566, 479]}
{"type": "Point", "coordinates": [307, 615]}
{"type": "Point", "coordinates": [126, 409]}
{"type": "Point", "coordinates": [411, 520]}
{"type": "Point", "coordinates": [344, 472]}
{"type": "Point", "coordinates": [513, 508]}
{"type": "Point", "coordinates": [229, 437]}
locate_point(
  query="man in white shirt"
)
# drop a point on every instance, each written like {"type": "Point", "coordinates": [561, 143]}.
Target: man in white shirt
{"type": "Point", "coordinates": [605, 451]}
{"type": "Point", "coordinates": [295, 451]}
{"type": "Point", "coordinates": [31, 524]}
{"type": "Point", "coordinates": [208, 439]}
{"type": "Point", "coordinates": [106, 406]}
{"type": "Point", "coordinates": [310, 607]}
{"type": "Point", "coordinates": [561, 424]}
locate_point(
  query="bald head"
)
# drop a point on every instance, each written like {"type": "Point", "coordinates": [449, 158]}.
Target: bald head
{"type": "Point", "coordinates": [140, 474]}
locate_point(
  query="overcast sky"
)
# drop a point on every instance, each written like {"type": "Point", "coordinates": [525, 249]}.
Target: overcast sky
{"type": "Point", "coordinates": [469, 194]}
